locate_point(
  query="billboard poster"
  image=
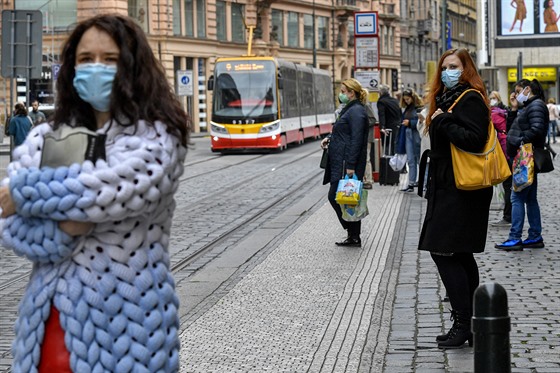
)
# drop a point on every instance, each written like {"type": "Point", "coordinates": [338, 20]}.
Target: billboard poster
{"type": "Point", "coordinates": [517, 17]}
{"type": "Point", "coordinates": [527, 17]}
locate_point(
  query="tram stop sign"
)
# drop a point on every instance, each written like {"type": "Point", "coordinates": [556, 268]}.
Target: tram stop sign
{"type": "Point", "coordinates": [22, 43]}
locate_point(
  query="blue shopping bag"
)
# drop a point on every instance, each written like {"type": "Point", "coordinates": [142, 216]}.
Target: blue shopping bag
{"type": "Point", "coordinates": [348, 191]}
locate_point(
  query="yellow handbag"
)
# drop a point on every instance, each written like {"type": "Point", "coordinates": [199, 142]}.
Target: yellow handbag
{"type": "Point", "coordinates": [479, 170]}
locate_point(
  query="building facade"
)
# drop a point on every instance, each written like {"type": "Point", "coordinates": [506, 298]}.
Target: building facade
{"type": "Point", "coordinates": [522, 43]}
{"type": "Point", "coordinates": [191, 34]}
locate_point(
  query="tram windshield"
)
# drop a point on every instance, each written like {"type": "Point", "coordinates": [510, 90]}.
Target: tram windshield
{"type": "Point", "coordinates": [245, 89]}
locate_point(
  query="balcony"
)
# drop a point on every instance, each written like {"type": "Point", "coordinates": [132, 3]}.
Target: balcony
{"type": "Point", "coordinates": [347, 5]}
{"type": "Point", "coordinates": [387, 11]}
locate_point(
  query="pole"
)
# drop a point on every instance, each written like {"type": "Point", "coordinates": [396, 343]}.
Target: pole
{"type": "Point", "coordinates": [520, 66]}
{"type": "Point", "coordinates": [314, 42]}
{"type": "Point", "coordinates": [491, 327]}
{"type": "Point", "coordinates": [443, 26]}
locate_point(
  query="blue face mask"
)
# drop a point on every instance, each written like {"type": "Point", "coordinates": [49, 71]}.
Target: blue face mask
{"type": "Point", "coordinates": [94, 83]}
{"type": "Point", "coordinates": [450, 78]}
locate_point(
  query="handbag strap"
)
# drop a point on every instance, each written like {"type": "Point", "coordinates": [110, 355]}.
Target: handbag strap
{"type": "Point", "coordinates": [491, 130]}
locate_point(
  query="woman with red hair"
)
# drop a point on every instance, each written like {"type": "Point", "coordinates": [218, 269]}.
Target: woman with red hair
{"type": "Point", "coordinates": [456, 220]}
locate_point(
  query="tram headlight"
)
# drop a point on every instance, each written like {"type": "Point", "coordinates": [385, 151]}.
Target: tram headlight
{"type": "Point", "coordinates": [270, 127]}
{"type": "Point", "coordinates": [218, 128]}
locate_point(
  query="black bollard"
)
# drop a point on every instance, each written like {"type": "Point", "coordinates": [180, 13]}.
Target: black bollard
{"type": "Point", "coordinates": [491, 327]}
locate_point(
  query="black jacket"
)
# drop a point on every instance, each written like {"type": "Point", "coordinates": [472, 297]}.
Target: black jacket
{"type": "Point", "coordinates": [456, 220]}
{"type": "Point", "coordinates": [348, 143]}
{"type": "Point", "coordinates": [529, 126]}
{"type": "Point", "coordinates": [389, 113]}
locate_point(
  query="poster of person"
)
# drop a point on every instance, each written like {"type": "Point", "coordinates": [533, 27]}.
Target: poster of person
{"type": "Point", "coordinates": [550, 17]}
{"type": "Point", "coordinates": [517, 17]}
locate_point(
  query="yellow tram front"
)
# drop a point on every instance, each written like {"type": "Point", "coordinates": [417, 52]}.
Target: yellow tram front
{"type": "Point", "coordinates": [245, 110]}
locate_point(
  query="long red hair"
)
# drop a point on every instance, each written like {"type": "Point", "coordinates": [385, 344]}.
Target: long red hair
{"type": "Point", "coordinates": [469, 76]}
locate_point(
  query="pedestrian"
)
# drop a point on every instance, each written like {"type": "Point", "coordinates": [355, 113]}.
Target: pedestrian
{"type": "Point", "coordinates": [412, 105]}
{"type": "Point", "coordinates": [368, 176]}
{"type": "Point", "coordinates": [347, 151]}
{"type": "Point", "coordinates": [389, 116]}
{"type": "Point", "coordinates": [553, 117]}
{"type": "Point", "coordinates": [456, 221]}
{"type": "Point", "coordinates": [101, 296]}
{"type": "Point", "coordinates": [529, 126]}
{"type": "Point", "coordinates": [35, 114]}
{"type": "Point", "coordinates": [499, 119]}
{"type": "Point", "coordinates": [424, 141]}
{"type": "Point", "coordinates": [20, 124]}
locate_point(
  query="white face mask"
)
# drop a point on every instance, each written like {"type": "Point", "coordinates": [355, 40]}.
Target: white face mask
{"type": "Point", "coordinates": [521, 97]}
{"type": "Point", "coordinates": [493, 102]}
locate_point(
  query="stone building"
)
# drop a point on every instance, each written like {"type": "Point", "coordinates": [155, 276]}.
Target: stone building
{"type": "Point", "coordinates": [191, 34]}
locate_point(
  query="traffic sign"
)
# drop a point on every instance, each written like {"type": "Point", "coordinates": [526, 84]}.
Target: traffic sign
{"type": "Point", "coordinates": [366, 52]}
{"type": "Point", "coordinates": [22, 43]}
{"type": "Point", "coordinates": [368, 79]}
{"type": "Point", "coordinates": [365, 24]}
{"type": "Point", "coordinates": [184, 82]}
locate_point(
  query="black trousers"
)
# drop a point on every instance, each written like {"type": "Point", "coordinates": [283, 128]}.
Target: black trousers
{"type": "Point", "coordinates": [508, 183]}
{"type": "Point", "coordinates": [353, 227]}
{"type": "Point", "coordinates": [459, 273]}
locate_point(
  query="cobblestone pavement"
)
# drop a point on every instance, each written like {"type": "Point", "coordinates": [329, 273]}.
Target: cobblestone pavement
{"type": "Point", "coordinates": [313, 307]}
{"type": "Point", "coordinates": [309, 306]}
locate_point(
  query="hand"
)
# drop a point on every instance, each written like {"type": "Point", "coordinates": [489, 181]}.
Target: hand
{"type": "Point", "coordinates": [513, 101]}
{"type": "Point", "coordinates": [384, 131]}
{"type": "Point", "coordinates": [75, 228]}
{"type": "Point", "coordinates": [6, 202]}
{"type": "Point", "coordinates": [349, 172]}
{"type": "Point", "coordinates": [405, 122]}
{"type": "Point", "coordinates": [325, 143]}
{"type": "Point", "coordinates": [436, 113]}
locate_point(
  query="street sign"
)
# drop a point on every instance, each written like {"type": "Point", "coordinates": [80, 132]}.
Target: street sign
{"type": "Point", "coordinates": [368, 79]}
{"type": "Point", "coordinates": [366, 52]}
{"type": "Point", "coordinates": [184, 82]}
{"type": "Point", "coordinates": [365, 23]}
{"type": "Point", "coordinates": [22, 43]}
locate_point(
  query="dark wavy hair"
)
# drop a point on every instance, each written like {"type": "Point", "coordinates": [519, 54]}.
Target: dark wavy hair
{"type": "Point", "coordinates": [141, 90]}
{"type": "Point", "coordinates": [469, 76]}
{"type": "Point", "coordinates": [20, 109]}
{"type": "Point", "coordinates": [535, 85]}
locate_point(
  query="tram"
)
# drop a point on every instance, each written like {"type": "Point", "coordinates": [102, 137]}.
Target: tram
{"type": "Point", "coordinates": [267, 103]}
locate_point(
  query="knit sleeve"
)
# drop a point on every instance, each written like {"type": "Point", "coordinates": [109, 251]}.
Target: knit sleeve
{"type": "Point", "coordinates": [39, 240]}
{"type": "Point", "coordinates": [131, 182]}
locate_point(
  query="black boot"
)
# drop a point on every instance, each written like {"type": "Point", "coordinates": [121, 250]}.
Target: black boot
{"type": "Point", "coordinates": [460, 332]}
{"type": "Point", "coordinates": [444, 337]}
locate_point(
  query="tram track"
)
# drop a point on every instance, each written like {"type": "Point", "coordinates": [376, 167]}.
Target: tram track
{"type": "Point", "coordinates": [191, 258]}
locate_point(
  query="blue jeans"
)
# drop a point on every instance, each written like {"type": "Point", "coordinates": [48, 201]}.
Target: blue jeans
{"type": "Point", "coordinates": [412, 153]}
{"type": "Point", "coordinates": [527, 196]}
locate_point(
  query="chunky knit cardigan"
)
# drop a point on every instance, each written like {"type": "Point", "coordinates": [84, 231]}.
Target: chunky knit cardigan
{"type": "Point", "coordinates": [113, 287]}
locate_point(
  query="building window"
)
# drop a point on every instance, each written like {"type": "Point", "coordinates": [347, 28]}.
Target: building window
{"type": "Point", "coordinates": [323, 32]}
{"type": "Point", "coordinates": [188, 9]}
{"type": "Point", "coordinates": [201, 18]}
{"type": "Point", "coordinates": [138, 10]}
{"type": "Point", "coordinates": [277, 31]}
{"type": "Point", "coordinates": [221, 20]}
{"type": "Point", "coordinates": [308, 31]}
{"type": "Point", "coordinates": [293, 29]}
{"type": "Point", "coordinates": [176, 17]}
{"type": "Point", "coordinates": [237, 25]}
{"type": "Point", "coordinates": [57, 15]}
{"type": "Point", "coordinates": [351, 33]}
{"type": "Point", "coordinates": [391, 46]}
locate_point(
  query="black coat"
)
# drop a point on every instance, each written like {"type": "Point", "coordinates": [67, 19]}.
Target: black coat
{"type": "Point", "coordinates": [348, 143]}
{"type": "Point", "coordinates": [390, 113]}
{"type": "Point", "coordinates": [456, 220]}
{"type": "Point", "coordinates": [530, 126]}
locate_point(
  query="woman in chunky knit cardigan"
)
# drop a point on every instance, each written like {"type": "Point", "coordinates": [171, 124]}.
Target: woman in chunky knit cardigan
{"type": "Point", "coordinates": [101, 297]}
